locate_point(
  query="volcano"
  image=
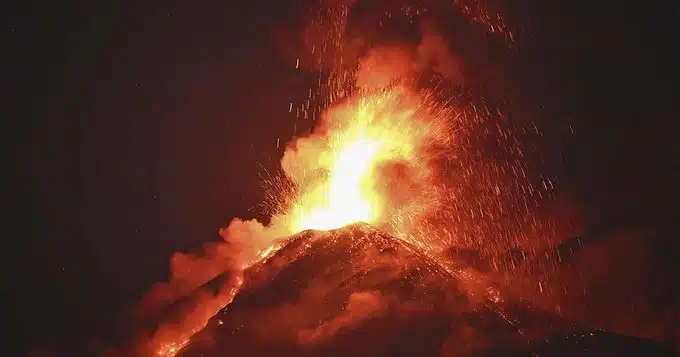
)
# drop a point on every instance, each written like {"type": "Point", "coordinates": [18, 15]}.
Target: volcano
{"type": "Point", "coordinates": [357, 291]}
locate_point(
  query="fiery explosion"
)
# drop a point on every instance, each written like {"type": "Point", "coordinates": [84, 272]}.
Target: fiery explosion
{"type": "Point", "coordinates": [342, 168]}
{"type": "Point", "coordinates": [342, 173]}
{"type": "Point", "coordinates": [373, 157]}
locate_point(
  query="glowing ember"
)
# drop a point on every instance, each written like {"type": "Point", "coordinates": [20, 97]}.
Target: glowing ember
{"type": "Point", "coordinates": [171, 349]}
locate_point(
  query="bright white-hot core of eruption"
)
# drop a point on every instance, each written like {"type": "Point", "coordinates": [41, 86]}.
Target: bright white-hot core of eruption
{"type": "Point", "coordinates": [356, 138]}
{"type": "Point", "coordinates": [346, 202]}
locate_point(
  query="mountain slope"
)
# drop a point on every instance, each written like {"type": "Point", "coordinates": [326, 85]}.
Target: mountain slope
{"type": "Point", "coordinates": [356, 291]}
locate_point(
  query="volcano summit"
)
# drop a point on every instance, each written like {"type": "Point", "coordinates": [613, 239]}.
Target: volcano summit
{"type": "Point", "coordinates": [356, 291]}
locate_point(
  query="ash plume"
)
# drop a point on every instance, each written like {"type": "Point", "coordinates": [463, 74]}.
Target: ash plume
{"type": "Point", "coordinates": [457, 40]}
{"type": "Point", "coordinates": [382, 66]}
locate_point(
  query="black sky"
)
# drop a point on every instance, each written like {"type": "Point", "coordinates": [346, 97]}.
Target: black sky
{"type": "Point", "coordinates": [135, 129]}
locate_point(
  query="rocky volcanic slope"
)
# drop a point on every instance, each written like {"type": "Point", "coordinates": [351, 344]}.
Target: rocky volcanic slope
{"type": "Point", "coordinates": [356, 291]}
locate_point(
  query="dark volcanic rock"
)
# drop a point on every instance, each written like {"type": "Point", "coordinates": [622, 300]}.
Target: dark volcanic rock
{"type": "Point", "coordinates": [359, 292]}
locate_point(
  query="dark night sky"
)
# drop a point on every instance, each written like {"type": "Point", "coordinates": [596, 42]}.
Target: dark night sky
{"type": "Point", "coordinates": [135, 131]}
